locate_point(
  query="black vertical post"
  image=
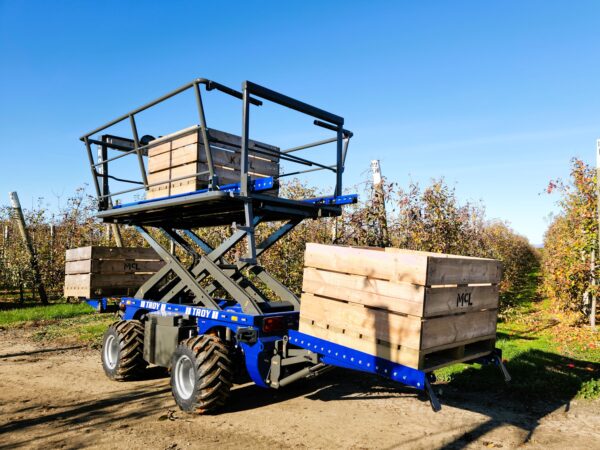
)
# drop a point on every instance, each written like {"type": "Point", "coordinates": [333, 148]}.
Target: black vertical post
{"type": "Point", "coordinates": [137, 150]}
{"type": "Point", "coordinates": [92, 167]}
{"type": "Point", "coordinates": [102, 157]}
{"type": "Point", "coordinates": [244, 181]}
{"type": "Point", "coordinates": [340, 161]}
{"type": "Point", "coordinates": [213, 182]}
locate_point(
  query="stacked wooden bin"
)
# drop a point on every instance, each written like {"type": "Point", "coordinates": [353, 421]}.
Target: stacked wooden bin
{"type": "Point", "coordinates": [422, 310]}
{"type": "Point", "coordinates": [96, 272]}
{"type": "Point", "coordinates": [182, 154]}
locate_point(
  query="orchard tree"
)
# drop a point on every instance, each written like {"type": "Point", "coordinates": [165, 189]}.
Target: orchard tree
{"type": "Point", "coordinates": [571, 242]}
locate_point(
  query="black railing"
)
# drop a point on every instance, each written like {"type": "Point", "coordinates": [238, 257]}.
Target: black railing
{"type": "Point", "coordinates": [100, 166]}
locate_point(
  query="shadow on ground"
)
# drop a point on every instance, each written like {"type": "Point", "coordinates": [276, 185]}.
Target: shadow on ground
{"type": "Point", "coordinates": [542, 383]}
{"type": "Point", "coordinates": [98, 413]}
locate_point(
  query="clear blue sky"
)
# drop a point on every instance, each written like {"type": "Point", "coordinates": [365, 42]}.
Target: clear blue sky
{"type": "Point", "coordinates": [494, 96]}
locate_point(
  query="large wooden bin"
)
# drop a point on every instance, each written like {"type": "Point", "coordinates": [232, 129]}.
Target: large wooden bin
{"type": "Point", "coordinates": [181, 154]}
{"type": "Point", "coordinates": [95, 272]}
{"type": "Point", "coordinates": [422, 310]}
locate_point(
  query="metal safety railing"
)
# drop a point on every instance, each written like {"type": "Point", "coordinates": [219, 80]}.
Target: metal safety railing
{"type": "Point", "coordinates": [250, 91]}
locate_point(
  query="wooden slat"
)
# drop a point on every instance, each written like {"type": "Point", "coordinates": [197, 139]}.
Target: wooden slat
{"type": "Point", "coordinates": [221, 158]}
{"type": "Point", "coordinates": [93, 280]}
{"type": "Point", "coordinates": [235, 141]}
{"type": "Point", "coordinates": [456, 328]}
{"type": "Point", "coordinates": [191, 135]}
{"type": "Point", "coordinates": [108, 266]}
{"type": "Point", "coordinates": [192, 138]}
{"type": "Point", "coordinates": [376, 323]}
{"type": "Point", "coordinates": [450, 300]}
{"type": "Point", "coordinates": [408, 331]}
{"type": "Point", "coordinates": [163, 143]}
{"type": "Point", "coordinates": [440, 357]}
{"type": "Point", "coordinates": [419, 268]}
{"type": "Point", "coordinates": [97, 252]}
{"type": "Point", "coordinates": [399, 354]}
{"type": "Point", "coordinates": [462, 271]}
{"type": "Point", "coordinates": [373, 264]}
{"type": "Point", "coordinates": [426, 360]}
{"type": "Point", "coordinates": [444, 268]}
{"type": "Point", "coordinates": [93, 285]}
{"type": "Point", "coordinates": [399, 297]}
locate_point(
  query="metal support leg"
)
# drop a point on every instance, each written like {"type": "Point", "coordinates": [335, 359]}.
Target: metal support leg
{"type": "Point", "coordinates": [435, 403]}
{"type": "Point", "coordinates": [497, 359]}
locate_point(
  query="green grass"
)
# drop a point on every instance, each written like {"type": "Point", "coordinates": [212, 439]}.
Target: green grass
{"type": "Point", "coordinates": [65, 323]}
{"type": "Point", "coordinates": [548, 361]}
{"type": "Point", "coordinates": [86, 329]}
{"type": "Point", "coordinates": [18, 316]}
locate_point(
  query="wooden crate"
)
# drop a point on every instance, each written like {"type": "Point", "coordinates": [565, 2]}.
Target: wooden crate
{"type": "Point", "coordinates": [94, 272]}
{"type": "Point", "coordinates": [182, 154]}
{"type": "Point", "coordinates": [423, 310]}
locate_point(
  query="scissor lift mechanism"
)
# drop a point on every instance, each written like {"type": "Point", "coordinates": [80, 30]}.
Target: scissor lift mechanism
{"type": "Point", "coordinates": [273, 358]}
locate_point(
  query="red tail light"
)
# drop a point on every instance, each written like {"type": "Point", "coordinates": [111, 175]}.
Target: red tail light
{"type": "Point", "coordinates": [271, 324]}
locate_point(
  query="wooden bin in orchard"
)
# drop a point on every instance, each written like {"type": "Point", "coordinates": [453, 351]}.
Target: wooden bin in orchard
{"type": "Point", "coordinates": [181, 155]}
{"type": "Point", "coordinates": [423, 310]}
{"type": "Point", "coordinates": [96, 272]}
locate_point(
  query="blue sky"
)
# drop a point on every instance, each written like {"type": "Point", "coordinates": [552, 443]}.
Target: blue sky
{"type": "Point", "coordinates": [494, 96]}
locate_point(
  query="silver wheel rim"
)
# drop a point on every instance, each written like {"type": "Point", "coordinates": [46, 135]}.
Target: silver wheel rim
{"type": "Point", "coordinates": [111, 352]}
{"type": "Point", "coordinates": [184, 377]}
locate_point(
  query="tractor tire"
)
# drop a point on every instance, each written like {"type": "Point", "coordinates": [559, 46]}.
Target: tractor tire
{"type": "Point", "coordinates": [201, 374]}
{"type": "Point", "coordinates": [123, 350]}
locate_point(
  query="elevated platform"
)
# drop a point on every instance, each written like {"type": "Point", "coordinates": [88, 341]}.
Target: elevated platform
{"type": "Point", "coordinates": [201, 177]}
{"type": "Point", "coordinates": [206, 208]}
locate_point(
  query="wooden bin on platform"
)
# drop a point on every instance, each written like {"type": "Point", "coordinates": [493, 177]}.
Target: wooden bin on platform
{"type": "Point", "coordinates": [96, 272]}
{"type": "Point", "coordinates": [181, 154]}
{"type": "Point", "coordinates": [423, 310]}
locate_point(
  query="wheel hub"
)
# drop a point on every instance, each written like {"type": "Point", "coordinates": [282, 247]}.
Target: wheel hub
{"type": "Point", "coordinates": [111, 352]}
{"type": "Point", "coordinates": [185, 377]}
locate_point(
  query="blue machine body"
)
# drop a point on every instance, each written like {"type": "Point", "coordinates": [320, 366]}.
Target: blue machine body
{"type": "Point", "coordinates": [257, 355]}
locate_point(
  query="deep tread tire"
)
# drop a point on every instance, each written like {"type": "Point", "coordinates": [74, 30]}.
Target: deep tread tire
{"type": "Point", "coordinates": [209, 364]}
{"type": "Point", "coordinates": [128, 363]}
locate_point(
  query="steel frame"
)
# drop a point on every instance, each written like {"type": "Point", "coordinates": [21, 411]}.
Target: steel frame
{"type": "Point", "coordinates": [171, 282]}
{"type": "Point", "coordinates": [280, 359]}
{"type": "Point", "coordinates": [174, 280]}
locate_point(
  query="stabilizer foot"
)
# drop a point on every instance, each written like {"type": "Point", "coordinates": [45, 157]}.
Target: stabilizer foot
{"type": "Point", "coordinates": [433, 400]}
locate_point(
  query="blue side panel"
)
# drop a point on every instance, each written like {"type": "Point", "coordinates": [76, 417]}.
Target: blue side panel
{"type": "Point", "coordinates": [98, 304]}
{"type": "Point", "coordinates": [348, 358]}
{"type": "Point", "coordinates": [257, 355]}
{"type": "Point", "coordinates": [103, 305]}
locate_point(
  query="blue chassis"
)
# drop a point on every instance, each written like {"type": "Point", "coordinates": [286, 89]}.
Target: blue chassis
{"type": "Point", "coordinates": [258, 354]}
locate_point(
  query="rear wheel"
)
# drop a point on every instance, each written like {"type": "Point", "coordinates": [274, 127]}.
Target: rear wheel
{"type": "Point", "coordinates": [201, 374]}
{"type": "Point", "coordinates": [123, 350]}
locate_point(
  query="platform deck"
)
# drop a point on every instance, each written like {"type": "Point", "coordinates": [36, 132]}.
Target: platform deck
{"type": "Point", "coordinates": [222, 207]}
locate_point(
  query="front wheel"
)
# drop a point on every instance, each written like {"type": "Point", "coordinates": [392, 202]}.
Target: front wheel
{"type": "Point", "coordinates": [201, 374]}
{"type": "Point", "coordinates": [123, 350]}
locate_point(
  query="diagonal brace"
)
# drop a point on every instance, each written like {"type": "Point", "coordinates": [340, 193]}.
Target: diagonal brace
{"type": "Point", "coordinates": [184, 275]}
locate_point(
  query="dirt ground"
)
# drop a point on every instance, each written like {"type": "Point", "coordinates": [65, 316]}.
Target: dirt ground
{"type": "Point", "coordinates": [58, 397]}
